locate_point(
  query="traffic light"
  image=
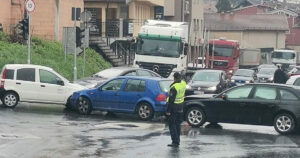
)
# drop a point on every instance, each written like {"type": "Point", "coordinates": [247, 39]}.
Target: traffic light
{"type": "Point", "coordinates": [79, 36]}
{"type": "Point", "coordinates": [24, 27]}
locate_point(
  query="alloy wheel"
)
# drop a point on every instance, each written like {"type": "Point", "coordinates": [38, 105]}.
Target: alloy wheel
{"type": "Point", "coordinates": [84, 106]}
{"type": "Point", "coordinates": [283, 123]}
{"type": "Point", "coordinates": [195, 117]}
{"type": "Point", "coordinates": [10, 100]}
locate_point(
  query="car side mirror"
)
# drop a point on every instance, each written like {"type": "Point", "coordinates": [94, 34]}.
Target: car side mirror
{"type": "Point", "coordinates": [60, 82]}
{"type": "Point", "coordinates": [224, 96]}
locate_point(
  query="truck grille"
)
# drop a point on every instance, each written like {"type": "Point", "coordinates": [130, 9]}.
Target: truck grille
{"type": "Point", "coordinates": [220, 63]}
{"type": "Point", "coordinates": [162, 69]}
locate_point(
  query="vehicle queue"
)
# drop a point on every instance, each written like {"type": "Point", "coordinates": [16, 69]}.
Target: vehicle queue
{"type": "Point", "coordinates": [245, 98]}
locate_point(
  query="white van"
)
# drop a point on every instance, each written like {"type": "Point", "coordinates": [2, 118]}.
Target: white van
{"type": "Point", "coordinates": [34, 83]}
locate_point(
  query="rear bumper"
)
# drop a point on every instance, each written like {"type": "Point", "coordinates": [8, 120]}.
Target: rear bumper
{"type": "Point", "coordinates": [2, 92]}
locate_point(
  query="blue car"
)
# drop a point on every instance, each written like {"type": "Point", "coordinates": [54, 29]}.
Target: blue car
{"type": "Point", "coordinates": [143, 96]}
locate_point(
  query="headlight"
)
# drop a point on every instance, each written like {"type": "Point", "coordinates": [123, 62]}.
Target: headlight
{"type": "Point", "coordinates": [271, 79]}
{"type": "Point", "coordinates": [188, 87]}
{"type": "Point", "coordinates": [247, 81]}
{"type": "Point", "coordinates": [212, 88]}
{"type": "Point", "coordinates": [232, 80]}
{"type": "Point", "coordinates": [230, 71]}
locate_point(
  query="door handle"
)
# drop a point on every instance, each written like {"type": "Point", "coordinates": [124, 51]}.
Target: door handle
{"type": "Point", "coordinates": [18, 83]}
{"type": "Point", "coordinates": [43, 86]}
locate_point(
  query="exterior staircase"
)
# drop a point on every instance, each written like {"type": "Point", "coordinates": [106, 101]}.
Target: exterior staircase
{"type": "Point", "coordinates": [103, 48]}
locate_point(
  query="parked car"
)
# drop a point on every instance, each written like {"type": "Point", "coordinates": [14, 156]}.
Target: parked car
{"type": "Point", "coordinates": [207, 82]}
{"type": "Point", "coordinates": [34, 83]}
{"type": "Point", "coordinates": [255, 104]}
{"type": "Point", "coordinates": [266, 75]}
{"type": "Point", "coordinates": [294, 80]}
{"type": "Point", "coordinates": [294, 71]}
{"type": "Point", "coordinates": [242, 76]}
{"type": "Point", "coordinates": [143, 96]}
{"type": "Point", "coordinates": [104, 75]}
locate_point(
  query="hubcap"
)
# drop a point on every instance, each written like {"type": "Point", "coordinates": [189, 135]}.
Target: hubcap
{"type": "Point", "coordinates": [283, 123]}
{"type": "Point", "coordinates": [195, 117]}
{"type": "Point", "coordinates": [10, 100]}
{"type": "Point", "coordinates": [144, 111]}
{"type": "Point", "coordinates": [83, 105]}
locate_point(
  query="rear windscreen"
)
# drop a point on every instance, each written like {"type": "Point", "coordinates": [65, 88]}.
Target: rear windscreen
{"type": "Point", "coordinates": [165, 85]}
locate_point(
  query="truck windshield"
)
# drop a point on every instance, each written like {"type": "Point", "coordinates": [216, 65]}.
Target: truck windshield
{"type": "Point", "coordinates": [224, 51]}
{"type": "Point", "coordinates": [283, 55]}
{"type": "Point", "coordinates": [155, 47]}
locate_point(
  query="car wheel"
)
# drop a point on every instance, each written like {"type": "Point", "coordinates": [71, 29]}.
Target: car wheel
{"type": "Point", "coordinates": [10, 99]}
{"type": "Point", "coordinates": [145, 111]}
{"type": "Point", "coordinates": [68, 104]}
{"type": "Point", "coordinates": [195, 117]}
{"type": "Point", "coordinates": [284, 123]}
{"type": "Point", "coordinates": [84, 106]}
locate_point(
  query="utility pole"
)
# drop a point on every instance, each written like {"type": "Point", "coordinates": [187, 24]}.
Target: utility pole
{"type": "Point", "coordinates": [75, 54]}
{"type": "Point", "coordinates": [29, 40]}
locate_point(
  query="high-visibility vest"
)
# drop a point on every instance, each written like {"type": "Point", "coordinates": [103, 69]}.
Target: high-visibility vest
{"type": "Point", "coordinates": [180, 88]}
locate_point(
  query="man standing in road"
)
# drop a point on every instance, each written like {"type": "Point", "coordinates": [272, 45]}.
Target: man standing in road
{"type": "Point", "coordinates": [175, 108]}
{"type": "Point", "coordinates": [279, 75]}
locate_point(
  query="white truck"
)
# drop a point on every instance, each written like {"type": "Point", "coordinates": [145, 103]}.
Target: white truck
{"type": "Point", "coordinates": [162, 47]}
{"type": "Point", "coordinates": [249, 58]}
{"type": "Point", "coordinates": [285, 57]}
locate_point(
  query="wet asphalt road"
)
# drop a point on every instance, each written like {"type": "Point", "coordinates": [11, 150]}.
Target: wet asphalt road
{"type": "Point", "coordinates": [49, 131]}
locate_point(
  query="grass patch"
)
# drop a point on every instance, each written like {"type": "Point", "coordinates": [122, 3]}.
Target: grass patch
{"type": "Point", "coordinates": [51, 54]}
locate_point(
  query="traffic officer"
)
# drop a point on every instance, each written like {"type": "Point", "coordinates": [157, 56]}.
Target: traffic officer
{"type": "Point", "coordinates": [175, 108]}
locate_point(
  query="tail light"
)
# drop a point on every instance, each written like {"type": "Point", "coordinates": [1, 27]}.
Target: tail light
{"type": "Point", "coordinates": [161, 97]}
{"type": "Point", "coordinates": [4, 74]}
{"type": "Point", "coordinates": [3, 77]}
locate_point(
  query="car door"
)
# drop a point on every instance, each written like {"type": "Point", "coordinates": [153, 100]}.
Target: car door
{"type": "Point", "coordinates": [49, 89]}
{"type": "Point", "coordinates": [259, 108]}
{"type": "Point", "coordinates": [133, 91]}
{"type": "Point", "coordinates": [26, 85]}
{"type": "Point", "coordinates": [108, 96]}
{"type": "Point", "coordinates": [229, 108]}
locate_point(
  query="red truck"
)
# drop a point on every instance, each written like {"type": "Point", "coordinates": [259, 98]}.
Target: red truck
{"type": "Point", "coordinates": [224, 55]}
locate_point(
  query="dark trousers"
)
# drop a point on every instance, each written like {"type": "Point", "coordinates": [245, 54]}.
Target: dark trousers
{"type": "Point", "coordinates": [175, 120]}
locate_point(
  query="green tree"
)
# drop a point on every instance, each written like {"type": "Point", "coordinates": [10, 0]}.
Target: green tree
{"type": "Point", "coordinates": [223, 6]}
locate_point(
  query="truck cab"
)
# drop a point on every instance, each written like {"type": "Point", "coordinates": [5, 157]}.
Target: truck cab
{"type": "Point", "coordinates": [284, 57]}
{"type": "Point", "coordinates": [162, 47]}
{"type": "Point", "coordinates": [223, 55]}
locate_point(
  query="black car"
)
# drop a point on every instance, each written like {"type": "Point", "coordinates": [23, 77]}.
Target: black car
{"type": "Point", "coordinates": [275, 105]}
{"type": "Point", "coordinates": [207, 82]}
{"type": "Point", "coordinates": [104, 75]}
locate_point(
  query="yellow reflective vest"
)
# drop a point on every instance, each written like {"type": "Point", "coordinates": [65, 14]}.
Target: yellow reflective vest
{"type": "Point", "coordinates": [180, 89]}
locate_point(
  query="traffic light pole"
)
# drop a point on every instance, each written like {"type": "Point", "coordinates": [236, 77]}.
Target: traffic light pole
{"type": "Point", "coordinates": [75, 54]}
{"type": "Point", "coordinates": [29, 40]}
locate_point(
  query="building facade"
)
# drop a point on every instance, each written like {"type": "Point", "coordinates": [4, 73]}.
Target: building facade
{"type": "Point", "coordinates": [47, 20]}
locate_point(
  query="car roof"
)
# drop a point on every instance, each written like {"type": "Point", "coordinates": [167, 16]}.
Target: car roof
{"type": "Point", "coordinates": [18, 66]}
{"type": "Point", "coordinates": [274, 85]}
{"type": "Point", "coordinates": [145, 78]}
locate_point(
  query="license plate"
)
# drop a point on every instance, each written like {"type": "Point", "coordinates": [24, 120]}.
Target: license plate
{"type": "Point", "coordinates": [199, 92]}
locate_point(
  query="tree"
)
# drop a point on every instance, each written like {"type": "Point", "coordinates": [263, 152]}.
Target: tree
{"type": "Point", "coordinates": [223, 6]}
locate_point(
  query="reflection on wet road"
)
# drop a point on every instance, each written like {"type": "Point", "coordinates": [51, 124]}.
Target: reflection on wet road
{"type": "Point", "coordinates": [50, 131]}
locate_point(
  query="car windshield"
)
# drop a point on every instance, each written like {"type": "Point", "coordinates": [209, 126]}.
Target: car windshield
{"type": "Point", "coordinates": [206, 76]}
{"type": "Point", "coordinates": [224, 51]}
{"type": "Point", "coordinates": [157, 47]}
{"type": "Point", "coordinates": [165, 85]}
{"type": "Point", "coordinates": [283, 55]}
{"type": "Point", "coordinates": [266, 66]}
{"type": "Point", "coordinates": [109, 73]}
{"type": "Point", "coordinates": [266, 71]}
{"type": "Point", "coordinates": [247, 73]}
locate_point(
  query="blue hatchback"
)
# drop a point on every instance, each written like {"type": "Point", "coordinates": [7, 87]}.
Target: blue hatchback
{"type": "Point", "coordinates": [137, 95]}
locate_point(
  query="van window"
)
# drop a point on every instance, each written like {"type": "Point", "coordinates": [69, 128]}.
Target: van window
{"type": "Point", "coordinates": [48, 77]}
{"type": "Point", "coordinates": [26, 74]}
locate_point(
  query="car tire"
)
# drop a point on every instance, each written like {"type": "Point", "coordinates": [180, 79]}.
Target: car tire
{"type": "Point", "coordinates": [145, 111]}
{"type": "Point", "coordinates": [68, 104]}
{"type": "Point", "coordinates": [10, 100]}
{"type": "Point", "coordinates": [284, 123]}
{"type": "Point", "coordinates": [84, 106]}
{"type": "Point", "coordinates": [195, 117]}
